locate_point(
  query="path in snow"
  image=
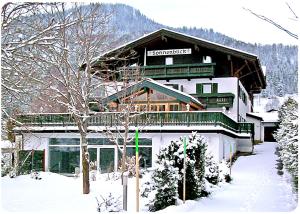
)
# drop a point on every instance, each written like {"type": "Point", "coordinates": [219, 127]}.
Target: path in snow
{"type": "Point", "coordinates": [256, 187]}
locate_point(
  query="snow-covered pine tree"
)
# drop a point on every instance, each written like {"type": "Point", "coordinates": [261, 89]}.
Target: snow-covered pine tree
{"type": "Point", "coordinates": [195, 169]}
{"type": "Point", "coordinates": [165, 179]}
{"type": "Point", "coordinates": [287, 137]}
{"type": "Point", "coordinates": [168, 176]}
{"type": "Point", "coordinates": [211, 169]}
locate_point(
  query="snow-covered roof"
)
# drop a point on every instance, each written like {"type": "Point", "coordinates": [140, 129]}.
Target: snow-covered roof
{"type": "Point", "coordinates": [268, 117]}
{"type": "Point", "coordinates": [213, 44]}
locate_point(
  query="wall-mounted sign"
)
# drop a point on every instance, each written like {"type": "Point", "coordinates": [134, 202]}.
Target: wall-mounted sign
{"type": "Point", "coordinates": [169, 52]}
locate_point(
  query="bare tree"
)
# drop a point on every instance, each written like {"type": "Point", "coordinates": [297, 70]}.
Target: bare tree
{"type": "Point", "coordinates": [27, 32]}
{"type": "Point", "coordinates": [53, 58]}
{"type": "Point", "coordinates": [73, 79]}
{"type": "Point", "coordinates": [264, 18]}
{"type": "Point", "coordinates": [125, 109]}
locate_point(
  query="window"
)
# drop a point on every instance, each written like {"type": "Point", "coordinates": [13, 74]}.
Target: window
{"type": "Point", "coordinates": [207, 59]}
{"type": "Point", "coordinates": [169, 60]}
{"type": "Point", "coordinates": [207, 88]}
{"type": "Point", "coordinates": [145, 151]}
{"type": "Point", "coordinates": [242, 95]}
{"type": "Point", "coordinates": [64, 159]}
{"type": "Point", "coordinates": [161, 107]}
{"type": "Point", "coordinates": [174, 107]}
{"type": "Point", "coordinates": [153, 107]}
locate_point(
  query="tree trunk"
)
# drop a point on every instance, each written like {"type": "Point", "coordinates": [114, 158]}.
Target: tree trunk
{"type": "Point", "coordinates": [126, 129]}
{"type": "Point", "coordinates": [85, 164]}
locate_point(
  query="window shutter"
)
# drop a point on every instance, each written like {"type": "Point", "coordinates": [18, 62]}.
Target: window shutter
{"type": "Point", "coordinates": [215, 88]}
{"type": "Point", "coordinates": [199, 88]}
{"type": "Point", "coordinates": [181, 87]}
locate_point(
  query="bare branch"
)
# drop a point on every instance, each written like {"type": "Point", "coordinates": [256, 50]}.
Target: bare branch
{"type": "Point", "coordinates": [273, 23]}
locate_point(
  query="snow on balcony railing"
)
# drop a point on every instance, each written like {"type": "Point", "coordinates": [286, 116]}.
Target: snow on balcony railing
{"type": "Point", "coordinates": [109, 119]}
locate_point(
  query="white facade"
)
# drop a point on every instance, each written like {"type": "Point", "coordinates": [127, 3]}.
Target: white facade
{"type": "Point", "coordinates": [258, 128]}
{"type": "Point", "coordinates": [225, 85]}
{"type": "Point", "coordinates": [219, 145]}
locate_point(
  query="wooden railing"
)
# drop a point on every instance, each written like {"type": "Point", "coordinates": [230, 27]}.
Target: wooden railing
{"type": "Point", "coordinates": [216, 100]}
{"type": "Point", "coordinates": [177, 70]}
{"type": "Point", "coordinates": [108, 119]}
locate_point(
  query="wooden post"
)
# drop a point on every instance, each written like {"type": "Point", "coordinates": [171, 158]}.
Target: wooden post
{"type": "Point", "coordinates": [32, 159]}
{"type": "Point", "coordinates": [230, 160]}
{"type": "Point", "coordinates": [137, 175]}
{"type": "Point", "coordinates": [184, 168]}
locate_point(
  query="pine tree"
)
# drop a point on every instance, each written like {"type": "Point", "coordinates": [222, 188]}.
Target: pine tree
{"type": "Point", "coordinates": [165, 179]}
{"type": "Point", "coordinates": [287, 137]}
{"type": "Point", "coordinates": [168, 176]}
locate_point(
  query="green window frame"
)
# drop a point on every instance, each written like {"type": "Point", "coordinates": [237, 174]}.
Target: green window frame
{"type": "Point", "coordinates": [199, 88]}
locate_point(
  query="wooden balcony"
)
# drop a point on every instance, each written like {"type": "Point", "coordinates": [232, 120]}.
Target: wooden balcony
{"type": "Point", "coordinates": [107, 119]}
{"type": "Point", "coordinates": [216, 100]}
{"type": "Point", "coordinates": [176, 71]}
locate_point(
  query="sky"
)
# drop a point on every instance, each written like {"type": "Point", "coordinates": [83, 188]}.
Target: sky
{"type": "Point", "coordinates": [227, 17]}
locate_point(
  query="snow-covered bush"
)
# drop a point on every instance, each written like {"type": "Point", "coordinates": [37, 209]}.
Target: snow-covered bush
{"type": "Point", "coordinates": [287, 137]}
{"type": "Point", "coordinates": [195, 166]}
{"type": "Point", "coordinates": [165, 178]}
{"type": "Point", "coordinates": [224, 172]}
{"type": "Point", "coordinates": [211, 169]}
{"type": "Point", "coordinates": [109, 204]}
{"type": "Point", "coordinates": [168, 176]}
{"type": "Point", "coordinates": [6, 165]}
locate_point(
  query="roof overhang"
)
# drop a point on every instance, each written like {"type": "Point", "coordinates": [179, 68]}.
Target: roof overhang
{"type": "Point", "coordinates": [117, 53]}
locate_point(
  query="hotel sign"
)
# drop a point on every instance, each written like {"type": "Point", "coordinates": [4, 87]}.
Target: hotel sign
{"type": "Point", "coordinates": [169, 52]}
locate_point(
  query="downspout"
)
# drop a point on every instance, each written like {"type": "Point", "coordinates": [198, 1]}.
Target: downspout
{"type": "Point", "coordinates": [238, 100]}
{"type": "Point", "coordinates": [145, 57]}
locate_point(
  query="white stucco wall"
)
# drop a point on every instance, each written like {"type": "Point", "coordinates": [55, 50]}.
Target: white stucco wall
{"type": "Point", "coordinates": [244, 145]}
{"type": "Point", "coordinates": [258, 128]}
{"type": "Point", "coordinates": [244, 108]}
{"type": "Point", "coordinates": [218, 144]}
{"type": "Point", "coordinates": [225, 85]}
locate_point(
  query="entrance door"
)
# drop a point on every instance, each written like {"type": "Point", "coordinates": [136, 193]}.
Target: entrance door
{"type": "Point", "coordinates": [107, 159]}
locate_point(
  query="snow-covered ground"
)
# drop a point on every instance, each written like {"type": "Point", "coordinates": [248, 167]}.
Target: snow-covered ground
{"type": "Point", "coordinates": [256, 187]}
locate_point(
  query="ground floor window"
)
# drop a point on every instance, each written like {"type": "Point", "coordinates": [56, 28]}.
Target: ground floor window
{"type": "Point", "coordinates": [64, 159]}
{"type": "Point", "coordinates": [145, 155]}
{"type": "Point", "coordinates": [64, 154]}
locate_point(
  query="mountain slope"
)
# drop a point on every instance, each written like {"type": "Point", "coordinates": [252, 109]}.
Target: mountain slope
{"type": "Point", "coordinates": [280, 60]}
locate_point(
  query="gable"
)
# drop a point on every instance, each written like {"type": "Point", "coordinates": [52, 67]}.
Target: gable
{"type": "Point", "coordinates": [225, 61]}
{"type": "Point", "coordinates": [147, 84]}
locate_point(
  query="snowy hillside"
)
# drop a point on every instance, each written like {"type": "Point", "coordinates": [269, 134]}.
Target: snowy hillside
{"type": "Point", "coordinates": [264, 104]}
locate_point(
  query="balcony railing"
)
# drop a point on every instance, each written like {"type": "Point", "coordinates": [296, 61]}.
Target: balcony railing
{"type": "Point", "coordinates": [216, 100]}
{"type": "Point", "coordinates": [176, 71]}
{"type": "Point", "coordinates": [108, 119]}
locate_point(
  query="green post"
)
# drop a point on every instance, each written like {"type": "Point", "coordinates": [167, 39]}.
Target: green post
{"type": "Point", "coordinates": [136, 141]}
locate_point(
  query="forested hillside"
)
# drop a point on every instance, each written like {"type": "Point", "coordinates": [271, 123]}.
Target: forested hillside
{"type": "Point", "coordinates": [280, 60]}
